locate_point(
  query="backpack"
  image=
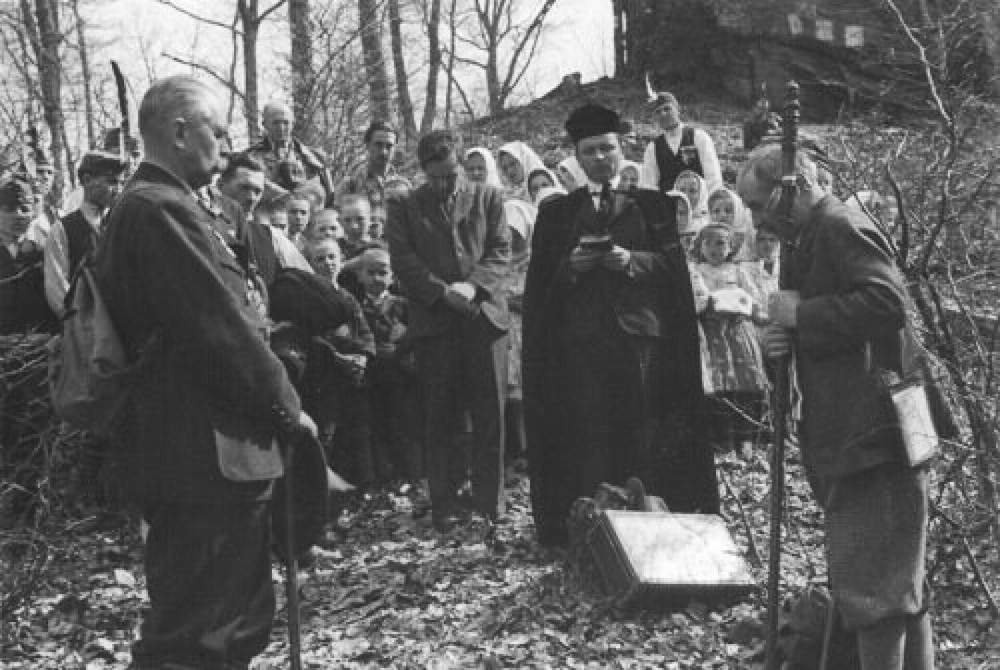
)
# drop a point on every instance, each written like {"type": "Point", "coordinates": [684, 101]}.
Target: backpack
{"type": "Point", "coordinates": [90, 379]}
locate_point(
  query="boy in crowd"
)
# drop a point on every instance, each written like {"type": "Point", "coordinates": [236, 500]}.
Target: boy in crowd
{"type": "Point", "coordinates": [376, 229]}
{"type": "Point", "coordinates": [391, 381]}
{"type": "Point", "coordinates": [355, 217]}
{"type": "Point", "coordinates": [324, 224]}
{"type": "Point", "coordinates": [299, 209]}
{"type": "Point", "coordinates": [344, 420]}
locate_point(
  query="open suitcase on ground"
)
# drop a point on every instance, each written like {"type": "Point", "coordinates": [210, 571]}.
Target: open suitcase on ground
{"type": "Point", "coordinates": [662, 558]}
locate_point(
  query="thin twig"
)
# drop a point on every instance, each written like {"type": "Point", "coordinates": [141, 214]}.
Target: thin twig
{"type": "Point", "coordinates": [754, 555]}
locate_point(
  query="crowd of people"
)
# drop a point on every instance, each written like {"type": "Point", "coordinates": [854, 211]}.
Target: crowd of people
{"type": "Point", "coordinates": [594, 320]}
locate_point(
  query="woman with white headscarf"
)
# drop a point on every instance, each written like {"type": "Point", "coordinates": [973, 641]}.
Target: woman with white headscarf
{"type": "Point", "coordinates": [516, 161]}
{"type": "Point", "coordinates": [691, 184]}
{"type": "Point", "coordinates": [481, 167]}
{"type": "Point", "coordinates": [571, 174]}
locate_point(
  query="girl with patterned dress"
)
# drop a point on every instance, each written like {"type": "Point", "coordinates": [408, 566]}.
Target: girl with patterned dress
{"type": "Point", "coordinates": [733, 371]}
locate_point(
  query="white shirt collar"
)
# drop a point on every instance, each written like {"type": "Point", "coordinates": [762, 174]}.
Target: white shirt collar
{"type": "Point", "coordinates": [91, 213]}
{"type": "Point", "coordinates": [593, 187]}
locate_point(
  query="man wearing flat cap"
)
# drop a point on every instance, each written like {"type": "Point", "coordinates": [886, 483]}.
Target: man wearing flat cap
{"type": "Point", "coordinates": [612, 386]}
{"type": "Point", "coordinates": [74, 238]}
{"type": "Point", "coordinates": [22, 297]}
{"type": "Point", "coordinates": [678, 148]}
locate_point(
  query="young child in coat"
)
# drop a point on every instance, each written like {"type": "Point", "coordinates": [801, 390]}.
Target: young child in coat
{"type": "Point", "coordinates": [728, 304]}
{"type": "Point", "coordinates": [391, 380]}
{"type": "Point", "coordinates": [344, 418]}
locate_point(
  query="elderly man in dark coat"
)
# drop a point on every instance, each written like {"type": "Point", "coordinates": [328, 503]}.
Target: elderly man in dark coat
{"type": "Point", "coordinates": [612, 387]}
{"type": "Point", "coordinates": [198, 441]}
{"type": "Point", "coordinates": [842, 311]}
{"type": "Point", "coordinates": [450, 248]}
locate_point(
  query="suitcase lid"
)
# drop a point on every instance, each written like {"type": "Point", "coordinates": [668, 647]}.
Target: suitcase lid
{"type": "Point", "coordinates": [684, 550]}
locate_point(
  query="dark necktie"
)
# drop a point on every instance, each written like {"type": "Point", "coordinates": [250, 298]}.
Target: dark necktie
{"type": "Point", "coordinates": [769, 266]}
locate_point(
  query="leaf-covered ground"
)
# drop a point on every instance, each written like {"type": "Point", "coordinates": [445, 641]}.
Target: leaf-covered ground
{"type": "Point", "coordinates": [390, 592]}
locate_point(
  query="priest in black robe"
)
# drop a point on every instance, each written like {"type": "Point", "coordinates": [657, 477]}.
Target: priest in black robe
{"type": "Point", "coordinates": [612, 382]}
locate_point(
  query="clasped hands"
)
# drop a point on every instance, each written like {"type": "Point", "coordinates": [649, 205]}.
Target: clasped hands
{"type": "Point", "coordinates": [582, 259]}
{"type": "Point", "coordinates": [779, 334]}
{"type": "Point", "coordinates": [460, 296]}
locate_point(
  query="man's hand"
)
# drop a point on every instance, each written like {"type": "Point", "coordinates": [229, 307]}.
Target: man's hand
{"type": "Point", "coordinates": [782, 307]}
{"type": "Point", "coordinates": [465, 289]}
{"type": "Point", "coordinates": [457, 301]}
{"type": "Point", "coordinates": [778, 341]}
{"type": "Point", "coordinates": [584, 260]}
{"type": "Point", "coordinates": [616, 259]}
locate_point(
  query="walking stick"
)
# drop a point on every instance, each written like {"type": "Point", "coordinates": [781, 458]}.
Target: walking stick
{"type": "Point", "coordinates": [780, 414]}
{"type": "Point", "coordinates": [291, 565]}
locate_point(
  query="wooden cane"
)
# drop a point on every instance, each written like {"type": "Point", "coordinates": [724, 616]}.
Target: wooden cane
{"type": "Point", "coordinates": [291, 566]}
{"type": "Point", "coordinates": [780, 414]}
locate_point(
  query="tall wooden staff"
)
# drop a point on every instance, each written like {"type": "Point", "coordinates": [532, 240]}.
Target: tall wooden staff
{"type": "Point", "coordinates": [790, 122]}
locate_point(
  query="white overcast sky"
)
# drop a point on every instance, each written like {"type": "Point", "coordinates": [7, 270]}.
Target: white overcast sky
{"type": "Point", "coordinates": [579, 39]}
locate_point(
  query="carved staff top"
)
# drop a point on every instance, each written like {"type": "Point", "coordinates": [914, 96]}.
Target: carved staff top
{"type": "Point", "coordinates": [789, 145]}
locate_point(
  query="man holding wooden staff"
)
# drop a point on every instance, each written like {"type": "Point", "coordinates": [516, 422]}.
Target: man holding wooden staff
{"type": "Point", "coordinates": [842, 317]}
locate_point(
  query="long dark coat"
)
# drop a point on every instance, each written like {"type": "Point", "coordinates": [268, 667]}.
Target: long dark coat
{"type": "Point", "coordinates": [163, 267]}
{"type": "Point", "coordinates": [599, 322]}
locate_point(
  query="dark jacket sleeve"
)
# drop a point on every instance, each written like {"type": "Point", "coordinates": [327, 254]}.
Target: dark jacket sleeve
{"type": "Point", "coordinates": [664, 259]}
{"type": "Point", "coordinates": [222, 348]}
{"type": "Point", "coordinates": [871, 306]}
{"type": "Point", "coordinates": [421, 284]}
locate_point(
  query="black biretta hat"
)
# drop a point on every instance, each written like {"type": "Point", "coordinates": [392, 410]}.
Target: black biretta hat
{"type": "Point", "coordinates": [591, 120]}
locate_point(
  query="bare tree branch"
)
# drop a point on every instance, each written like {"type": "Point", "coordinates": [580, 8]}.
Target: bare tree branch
{"type": "Point", "coordinates": [197, 17]}
{"type": "Point", "coordinates": [201, 67]}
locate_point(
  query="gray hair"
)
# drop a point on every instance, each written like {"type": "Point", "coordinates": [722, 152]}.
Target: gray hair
{"type": "Point", "coordinates": [765, 164]}
{"type": "Point", "coordinates": [170, 98]}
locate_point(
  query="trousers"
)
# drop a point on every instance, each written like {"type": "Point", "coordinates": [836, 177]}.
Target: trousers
{"type": "Point", "coordinates": [464, 370]}
{"type": "Point", "coordinates": [208, 574]}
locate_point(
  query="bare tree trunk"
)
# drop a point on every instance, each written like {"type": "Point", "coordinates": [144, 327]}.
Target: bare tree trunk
{"type": "Point", "coordinates": [251, 27]}
{"type": "Point", "coordinates": [450, 68]}
{"type": "Point", "coordinates": [303, 75]}
{"type": "Point", "coordinates": [371, 45]}
{"type": "Point", "coordinates": [405, 103]}
{"type": "Point", "coordinates": [43, 31]}
{"type": "Point", "coordinates": [88, 98]}
{"type": "Point", "coordinates": [619, 39]}
{"type": "Point", "coordinates": [433, 66]}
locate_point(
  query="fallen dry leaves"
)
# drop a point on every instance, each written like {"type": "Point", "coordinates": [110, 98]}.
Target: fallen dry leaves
{"type": "Point", "coordinates": [390, 592]}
